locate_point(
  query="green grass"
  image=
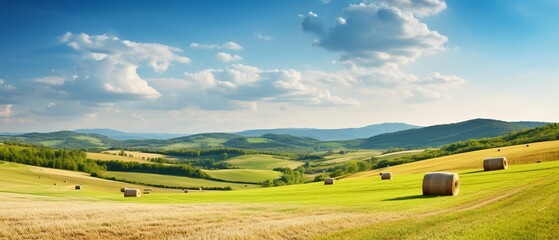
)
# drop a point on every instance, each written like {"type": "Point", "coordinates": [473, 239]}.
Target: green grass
{"type": "Point", "coordinates": [244, 175]}
{"type": "Point", "coordinates": [518, 203]}
{"type": "Point", "coordinates": [174, 181]}
{"type": "Point", "coordinates": [92, 140]}
{"type": "Point", "coordinates": [51, 143]}
{"type": "Point", "coordinates": [262, 162]}
{"type": "Point", "coordinates": [257, 140]}
{"type": "Point", "coordinates": [530, 214]}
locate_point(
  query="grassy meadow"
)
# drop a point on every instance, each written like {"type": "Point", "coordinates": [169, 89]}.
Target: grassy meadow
{"type": "Point", "coordinates": [244, 175]}
{"type": "Point", "coordinates": [517, 203]}
{"type": "Point", "coordinates": [262, 162]}
{"type": "Point", "coordinates": [173, 181]}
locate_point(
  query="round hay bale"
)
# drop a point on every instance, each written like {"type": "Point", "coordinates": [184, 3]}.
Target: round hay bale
{"type": "Point", "coordinates": [498, 150]}
{"type": "Point", "coordinates": [54, 184]}
{"type": "Point", "coordinates": [527, 145]}
{"type": "Point", "coordinates": [380, 173]}
{"type": "Point", "coordinates": [122, 189]}
{"type": "Point", "coordinates": [538, 161]}
{"type": "Point", "coordinates": [40, 177]}
{"type": "Point", "coordinates": [65, 181]}
{"type": "Point", "coordinates": [498, 163]}
{"type": "Point", "coordinates": [386, 176]}
{"type": "Point", "coordinates": [132, 192]}
{"type": "Point", "coordinates": [185, 190]}
{"type": "Point", "coordinates": [328, 181]}
{"type": "Point", "coordinates": [441, 183]}
{"type": "Point", "coordinates": [78, 187]}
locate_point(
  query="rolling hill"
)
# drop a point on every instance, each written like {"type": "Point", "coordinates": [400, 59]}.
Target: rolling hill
{"type": "Point", "coordinates": [119, 135]}
{"type": "Point", "coordinates": [332, 134]}
{"type": "Point", "coordinates": [438, 135]}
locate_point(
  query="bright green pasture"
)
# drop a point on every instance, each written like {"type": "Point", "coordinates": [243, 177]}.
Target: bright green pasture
{"type": "Point", "coordinates": [532, 213]}
{"type": "Point", "coordinates": [244, 175]}
{"type": "Point", "coordinates": [263, 162]}
{"type": "Point", "coordinates": [358, 155]}
{"type": "Point", "coordinates": [174, 181]}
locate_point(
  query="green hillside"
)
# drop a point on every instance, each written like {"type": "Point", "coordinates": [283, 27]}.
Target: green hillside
{"type": "Point", "coordinates": [438, 135]}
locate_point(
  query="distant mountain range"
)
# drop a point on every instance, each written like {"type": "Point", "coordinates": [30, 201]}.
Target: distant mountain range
{"type": "Point", "coordinates": [438, 135]}
{"type": "Point", "coordinates": [280, 140]}
{"type": "Point", "coordinates": [127, 136]}
{"type": "Point", "coordinates": [332, 134]}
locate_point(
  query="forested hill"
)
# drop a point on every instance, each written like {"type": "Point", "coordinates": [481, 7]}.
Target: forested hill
{"type": "Point", "coordinates": [332, 134]}
{"type": "Point", "coordinates": [438, 135]}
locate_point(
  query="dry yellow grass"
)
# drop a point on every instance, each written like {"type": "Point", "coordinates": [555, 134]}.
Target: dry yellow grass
{"type": "Point", "coordinates": [34, 217]}
{"type": "Point", "coordinates": [140, 155]}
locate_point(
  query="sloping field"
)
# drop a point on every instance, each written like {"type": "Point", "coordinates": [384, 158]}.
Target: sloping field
{"type": "Point", "coordinates": [518, 154]}
{"type": "Point", "coordinates": [174, 181]}
{"type": "Point", "coordinates": [17, 178]}
{"type": "Point", "coordinates": [359, 155]}
{"type": "Point", "coordinates": [140, 155]}
{"type": "Point", "coordinates": [518, 203]}
{"type": "Point", "coordinates": [109, 157]}
{"type": "Point", "coordinates": [263, 162]}
{"type": "Point", "coordinates": [244, 175]}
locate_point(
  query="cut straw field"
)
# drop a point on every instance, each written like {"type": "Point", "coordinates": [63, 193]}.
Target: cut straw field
{"type": "Point", "coordinates": [517, 203]}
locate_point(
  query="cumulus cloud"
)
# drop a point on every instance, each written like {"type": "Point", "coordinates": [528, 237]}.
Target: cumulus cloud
{"type": "Point", "coordinates": [226, 57]}
{"type": "Point", "coordinates": [227, 45]}
{"type": "Point", "coordinates": [420, 8]}
{"type": "Point", "coordinates": [373, 35]}
{"type": "Point", "coordinates": [244, 83]}
{"type": "Point", "coordinates": [109, 67]}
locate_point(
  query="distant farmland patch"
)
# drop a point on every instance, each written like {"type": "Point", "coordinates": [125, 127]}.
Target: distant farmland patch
{"type": "Point", "coordinates": [263, 162]}
{"type": "Point", "coordinates": [243, 175]}
{"type": "Point", "coordinates": [141, 155]}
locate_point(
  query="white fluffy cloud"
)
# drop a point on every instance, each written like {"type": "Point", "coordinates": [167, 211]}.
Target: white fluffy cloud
{"type": "Point", "coordinates": [375, 34]}
{"type": "Point", "coordinates": [226, 57]}
{"type": "Point", "coordinates": [250, 84]}
{"type": "Point", "coordinates": [420, 8]}
{"type": "Point", "coordinates": [109, 67]}
{"type": "Point", "coordinates": [227, 45]}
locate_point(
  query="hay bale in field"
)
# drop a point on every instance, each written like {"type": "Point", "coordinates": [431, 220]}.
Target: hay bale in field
{"type": "Point", "coordinates": [498, 163]}
{"type": "Point", "coordinates": [54, 184]}
{"type": "Point", "coordinates": [78, 187]}
{"type": "Point", "coordinates": [538, 161]}
{"type": "Point", "coordinates": [65, 181]}
{"type": "Point", "coordinates": [441, 183]}
{"type": "Point", "coordinates": [527, 145]}
{"type": "Point", "coordinates": [498, 150]}
{"type": "Point", "coordinates": [328, 181]}
{"type": "Point", "coordinates": [132, 192]}
{"type": "Point", "coordinates": [185, 190]}
{"type": "Point", "coordinates": [386, 176]}
{"type": "Point", "coordinates": [40, 177]}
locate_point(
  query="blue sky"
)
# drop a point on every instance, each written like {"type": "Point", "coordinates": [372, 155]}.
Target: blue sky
{"type": "Point", "coordinates": [207, 66]}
